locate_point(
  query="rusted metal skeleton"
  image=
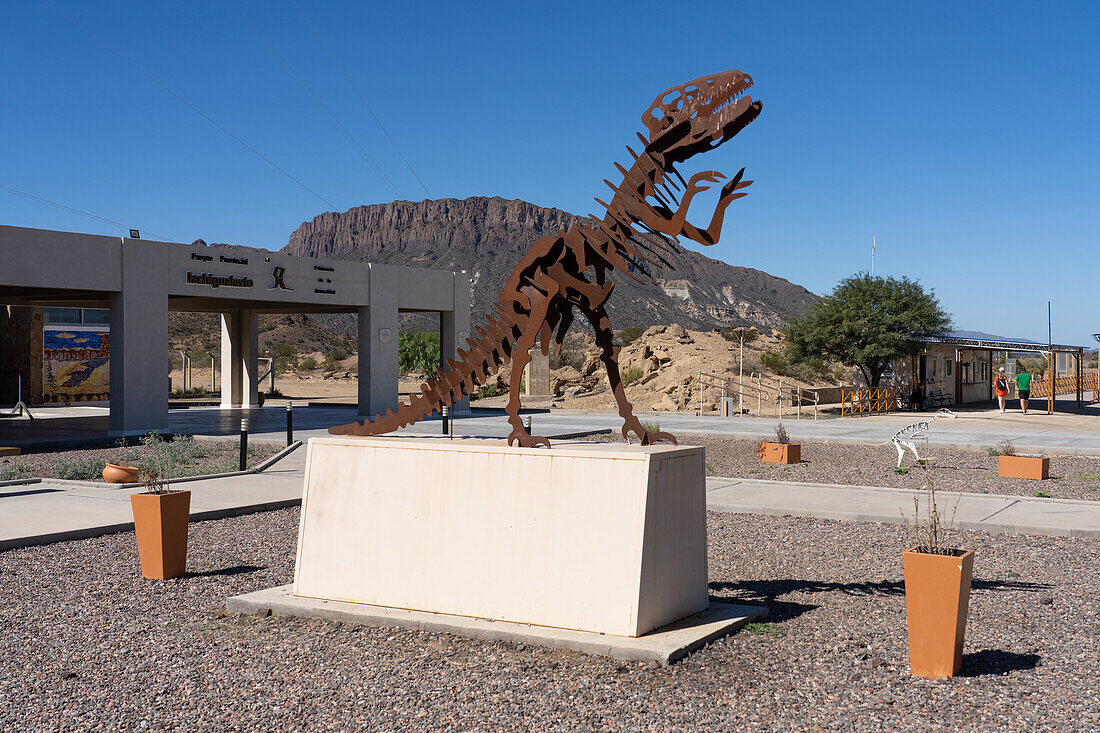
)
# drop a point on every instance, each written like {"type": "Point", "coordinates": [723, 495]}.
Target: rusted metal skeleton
{"type": "Point", "coordinates": [569, 270]}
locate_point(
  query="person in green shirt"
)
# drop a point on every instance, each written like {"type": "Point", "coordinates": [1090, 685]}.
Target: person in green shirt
{"type": "Point", "coordinates": [1023, 387]}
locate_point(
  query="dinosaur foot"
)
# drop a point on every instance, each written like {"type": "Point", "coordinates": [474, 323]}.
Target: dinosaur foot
{"type": "Point", "coordinates": [526, 440]}
{"type": "Point", "coordinates": [646, 437]}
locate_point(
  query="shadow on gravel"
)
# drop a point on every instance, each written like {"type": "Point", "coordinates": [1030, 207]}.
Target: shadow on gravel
{"type": "Point", "coordinates": [769, 592]}
{"type": "Point", "coordinates": [235, 570]}
{"type": "Point", "coordinates": [995, 661]}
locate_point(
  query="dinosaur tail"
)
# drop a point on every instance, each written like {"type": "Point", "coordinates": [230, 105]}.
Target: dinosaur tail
{"type": "Point", "coordinates": [490, 347]}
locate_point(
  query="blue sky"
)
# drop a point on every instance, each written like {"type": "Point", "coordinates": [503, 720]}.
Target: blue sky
{"type": "Point", "coordinates": [962, 135]}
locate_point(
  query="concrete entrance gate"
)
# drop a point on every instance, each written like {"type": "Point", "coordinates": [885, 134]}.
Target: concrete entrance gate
{"type": "Point", "coordinates": [141, 281]}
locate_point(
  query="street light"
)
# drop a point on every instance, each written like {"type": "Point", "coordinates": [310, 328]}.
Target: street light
{"type": "Point", "coordinates": [741, 332]}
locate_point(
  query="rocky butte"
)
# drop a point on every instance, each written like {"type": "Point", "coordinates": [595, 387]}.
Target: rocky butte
{"type": "Point", "coordinates": [487, 236]}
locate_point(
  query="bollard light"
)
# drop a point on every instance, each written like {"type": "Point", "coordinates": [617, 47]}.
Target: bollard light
{"type": "Point", "coordinates": [445, 411]}
{"type": "Point", "coordinates": [244, 445]}
{"type": "Point", "coordinates": [527, 423]}
{"type": "Point", "coordinates": [289, 423]}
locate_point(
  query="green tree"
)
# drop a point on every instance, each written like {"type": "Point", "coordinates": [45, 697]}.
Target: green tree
{"type": "Point", "coordinates": [866, 322]}
{"type": "Point", "coordinates": [418, 351]}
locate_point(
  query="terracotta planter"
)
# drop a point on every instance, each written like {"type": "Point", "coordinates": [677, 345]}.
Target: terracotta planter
{"type": "Point", "coordinates": [1024, 467]}
{"type": "Point", "coordinates": [937, 596]}
{"type": "Point", "coordinates": [160, 521]}
{"type": "Point", "coordinates": [113, 474]}
{"type": "Point", "coordinates": [781, 452]}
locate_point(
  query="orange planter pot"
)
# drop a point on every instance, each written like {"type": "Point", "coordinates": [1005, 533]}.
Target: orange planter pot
{"type": "Point", "coordinates": [1024, 467]}
{"type": "Point", "coordinates": [781, 452]}
{"type": "Point", "coordinates": [160, 521]}
{"type": "Point", "coordinates": [113, 474]}
{"type": "Point", "coordinates": [937, 596]}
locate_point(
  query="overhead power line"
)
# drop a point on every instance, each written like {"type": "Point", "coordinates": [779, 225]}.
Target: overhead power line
{"type": "Point", "coordinates": [360, 95]}
{"type": "Point", "coordinates": [356, 146]}
{"type": "Point", "coordinates": [183, 101]}
{"type": "Point", "coordinates": [118, 224]}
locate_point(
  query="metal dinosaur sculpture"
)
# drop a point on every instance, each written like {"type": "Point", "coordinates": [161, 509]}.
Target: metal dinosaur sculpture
{"type": "Point", "coordinates": [570, 269]}
{"type": "Point", "coordinates": [907, 436]}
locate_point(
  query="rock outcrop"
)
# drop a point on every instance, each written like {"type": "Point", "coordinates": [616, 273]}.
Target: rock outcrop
{"type": "Point", "coordinates": [487, 236]}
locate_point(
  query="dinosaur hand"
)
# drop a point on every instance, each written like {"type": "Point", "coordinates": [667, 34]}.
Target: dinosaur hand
{"type": "Point", "coordinates": [732, 185]}
{"type": "Point", "coordinates": [694, 183]}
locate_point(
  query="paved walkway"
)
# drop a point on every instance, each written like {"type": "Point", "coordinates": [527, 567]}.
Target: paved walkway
{"type": "Point", "coordinates": [990, 512]}
{"type": "Point", "coordinates": [52, 511]}
{"type": "Point", "coordinates": [1065, 433]}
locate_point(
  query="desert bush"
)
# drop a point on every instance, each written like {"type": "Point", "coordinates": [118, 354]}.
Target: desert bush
{"type": "Point", "coordinates": [631, 375]}
{"type": "Point", "coordinates": [14, 472]}
{"type": "Point", "coordinates": [735, 334]}
{"type": "Point", "coordinates": [285, 357]}
{"type": "Point", "coordinates": [418, 351]}
{"type": "Point", "coordinates": [337, 355]}
{"type": "Point", "coordinates": [628, 335]}
{"type": "Point", "coordinates": [307, 364]}
{"type": "Point", "coordinates": [488, 390]}
{"type": "Point", "coordinates": [573, 353]}
{"type": "Point", "coordinates": [80, 469]}
{"type": "Point", "coordinates": [781, 436]}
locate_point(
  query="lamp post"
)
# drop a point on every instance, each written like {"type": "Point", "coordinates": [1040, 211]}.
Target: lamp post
{"type": "Point", "coordinates": [741, 332]}
{"type": "Point", "coordinates": [213, 373]}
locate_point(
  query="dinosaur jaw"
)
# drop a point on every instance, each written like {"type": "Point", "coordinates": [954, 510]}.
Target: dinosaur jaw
{"type": "Point", "coordinates": [700, 115]}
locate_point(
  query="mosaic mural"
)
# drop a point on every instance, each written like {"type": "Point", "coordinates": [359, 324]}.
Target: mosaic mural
{"type": "Point", "coordinates": [76, 367]}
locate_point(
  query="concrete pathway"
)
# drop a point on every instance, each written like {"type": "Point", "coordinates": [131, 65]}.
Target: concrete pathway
{"type": "Point", "coordinates": [53, 511]}
{"type": "Point", "coordinates": [990, 512]}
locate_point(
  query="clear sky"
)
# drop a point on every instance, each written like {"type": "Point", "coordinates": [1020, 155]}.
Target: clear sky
{"type": "Point", "coordinates": [963, 135]}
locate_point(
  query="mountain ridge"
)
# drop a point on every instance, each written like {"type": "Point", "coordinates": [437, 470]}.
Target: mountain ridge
{"type": "Point", "coordinates": [486, 236]}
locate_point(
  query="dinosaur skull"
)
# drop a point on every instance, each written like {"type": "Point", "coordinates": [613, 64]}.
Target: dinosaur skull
{"type": "Point", "coordinates": [700, 115]}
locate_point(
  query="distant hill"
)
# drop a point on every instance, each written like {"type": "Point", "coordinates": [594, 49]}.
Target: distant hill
{"type": "Point", "coordinates": [487, 237]}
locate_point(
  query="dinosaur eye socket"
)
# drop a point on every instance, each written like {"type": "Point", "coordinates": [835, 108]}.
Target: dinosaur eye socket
{"type": "Point", "coordinates": [672, 99]}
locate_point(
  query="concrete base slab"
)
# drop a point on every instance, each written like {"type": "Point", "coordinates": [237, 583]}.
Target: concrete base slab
{"type": "Point", "coordinates": [664, 645]}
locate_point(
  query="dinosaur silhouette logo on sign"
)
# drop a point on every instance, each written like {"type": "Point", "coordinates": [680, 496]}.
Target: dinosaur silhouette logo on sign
{"type": "Point", "coordinates": [569, 270]}
{"type": "Point", "coordinates": [277, 279]}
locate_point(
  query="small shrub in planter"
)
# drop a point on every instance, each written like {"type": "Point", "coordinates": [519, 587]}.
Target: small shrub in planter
{"type": "Point", "coordinates": [782, 450]}
{"type": "Point", "coordinates": [937, 593]}
{"type": "Point", "coordinates": [161, 517]}
{"type": "Point", "coordinates": [1011, 465]}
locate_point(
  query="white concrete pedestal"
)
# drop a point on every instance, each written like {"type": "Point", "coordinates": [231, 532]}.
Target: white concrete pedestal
{"type": "Point", "coordinates": [604, 538]}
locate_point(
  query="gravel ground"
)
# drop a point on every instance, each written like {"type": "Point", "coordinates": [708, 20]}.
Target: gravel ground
{"type": "Point", "coordinates": [87, 644]}
{"type": "Point", "coordinates": [1071, 477]}
{"type": "Point", "coordinates": [188, 457]}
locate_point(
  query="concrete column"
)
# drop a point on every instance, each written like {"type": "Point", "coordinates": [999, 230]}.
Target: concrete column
{"type": "Point", "coordinates": [454, 329]}
{"type": "Point", "coordinates": [378, 343]}
{"type": "Point", "coordinates": [536, 375]}
{"type": "Point", "coordinates": [139, 342]}
{"type": "Point", "coordinates": [240, 368]}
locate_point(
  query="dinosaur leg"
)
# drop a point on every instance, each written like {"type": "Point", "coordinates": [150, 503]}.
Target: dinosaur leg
{"type": "Point", "coordinates": [609, 355]}
{"type": "Point", "coordinates": [520, 358]}
{"type": "Point", "coordinates": [901, 452]}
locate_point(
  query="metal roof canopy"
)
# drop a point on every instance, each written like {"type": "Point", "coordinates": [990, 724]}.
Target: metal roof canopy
{"type": "Point", "coordinates": [997, 345]}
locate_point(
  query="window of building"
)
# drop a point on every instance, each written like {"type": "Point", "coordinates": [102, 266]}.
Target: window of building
{"type": "Point", "coordinates": [61, 315]}
{"type": "Point", "coordinates": [947, 366]}
{"type": "Point", "coordinates": [77, 316]}
{"type": "Point", "coordinates": [97, 316]}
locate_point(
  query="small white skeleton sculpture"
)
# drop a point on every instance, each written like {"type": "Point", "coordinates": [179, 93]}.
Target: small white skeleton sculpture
{"type": "Point", "coordinates": [904, 438]}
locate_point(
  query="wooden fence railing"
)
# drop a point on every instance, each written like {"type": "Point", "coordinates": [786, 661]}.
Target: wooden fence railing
{"type": "Point", "coordinates": [869, 401]}
{"type": "Point", "coordinates": [1063, 385]}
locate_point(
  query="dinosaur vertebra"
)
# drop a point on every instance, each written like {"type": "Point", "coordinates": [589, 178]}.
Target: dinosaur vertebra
{"type": "Point", "coordinates": [569, 269]}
